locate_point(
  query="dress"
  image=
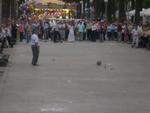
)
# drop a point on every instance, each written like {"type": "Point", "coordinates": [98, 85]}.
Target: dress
{"type": "Point", "coordinates": [71, 36]}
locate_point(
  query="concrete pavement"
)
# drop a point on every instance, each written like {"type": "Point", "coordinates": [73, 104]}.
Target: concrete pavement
{"type": "Point", "coordinates": [69, 81]}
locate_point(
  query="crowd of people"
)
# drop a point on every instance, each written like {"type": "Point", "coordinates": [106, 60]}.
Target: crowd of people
{"type": "Point", "coordinates": [7, 38]}
{"type": "Point", "coordinates": [75, 30]}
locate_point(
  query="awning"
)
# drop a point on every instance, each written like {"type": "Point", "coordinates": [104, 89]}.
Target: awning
{"type": "Point", "coordinates": [59, 2]}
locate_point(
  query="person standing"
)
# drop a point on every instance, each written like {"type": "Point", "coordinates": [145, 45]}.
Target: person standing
{"type": "Point", "coordinates": [89, 30]}
{"type": "Point", "coordinates": [71, 36]}
{"type": "Point", "coordinates": [21, 31]}
{"type": "Point", "coordinates": [2, 40]}
{"type": "Point", "coordinates": [28, 31]}
{"type": "Point", "coordinates": [35, 48]}
{"type": "Point", "coordinates": [93, 39]}
{"type": "Point", "coordinates": [14, 31]}
{"type": "Point", "coordinates": [66, 31]}
{"type": "Point", "coordinates": [9, 35]}
{"type": "Point", "coordinates": [135, 37]}
{"type": "Point", "coordinates": [62, 31]}
{"type": "Point", "coordinates": [46, 30]}
{"type": "Point", "coordinates": [80, 30]}
{"type": "Point", "coordinates": [119, 32]}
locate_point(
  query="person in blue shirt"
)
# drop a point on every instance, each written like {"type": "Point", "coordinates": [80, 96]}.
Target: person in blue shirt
{"type": "Point", "coordinates": [109, 31]}
{"type": "Point", "coordinates": [35, 47]}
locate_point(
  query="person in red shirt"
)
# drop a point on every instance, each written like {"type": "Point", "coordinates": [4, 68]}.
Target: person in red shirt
{"type": "Point", "coordinates": [21, 31]}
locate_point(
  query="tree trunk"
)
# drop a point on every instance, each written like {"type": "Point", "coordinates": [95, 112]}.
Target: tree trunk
{"type": "Point", "coordinates": [110, 10]}
{"type": "Point", "coordinates": [133, 4]}
{"type": "Point", "coordinates": [97, 7]}
{"type": "Point", "coordinates": [114, 9]}
{"type": "Point", "coordinates": [102, 8]}
{"type": "Point", "coordinates": [13, 9]}
{"type": "Point", "coordinates": [138, 8]}
{"type": "Point", "coordinates": [122, 14]}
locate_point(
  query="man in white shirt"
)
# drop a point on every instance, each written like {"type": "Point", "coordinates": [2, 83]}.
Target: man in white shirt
{"type": "Point", "coordinates": [93, 32]}
{"type": "Point", "coordinates": [35, 47]}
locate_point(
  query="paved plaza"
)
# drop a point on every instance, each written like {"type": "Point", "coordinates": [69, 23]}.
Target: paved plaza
{"type": "Point", "coordinates": [69, 81]}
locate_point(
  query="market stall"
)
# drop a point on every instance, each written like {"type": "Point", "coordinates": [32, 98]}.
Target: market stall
{"type": "Point", "coordinates": [53, 9]}
{"type": "Point", "coordinates": [58, 2]}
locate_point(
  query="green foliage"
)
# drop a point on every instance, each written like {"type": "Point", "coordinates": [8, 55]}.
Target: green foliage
{"type": "Point", "coordinates": [146, 3]}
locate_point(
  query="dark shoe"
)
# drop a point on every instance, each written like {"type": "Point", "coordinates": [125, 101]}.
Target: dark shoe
{"type": "Point", "coordinates": [132, 46]}
{"type": "Point", "coordinates": [36, 65]}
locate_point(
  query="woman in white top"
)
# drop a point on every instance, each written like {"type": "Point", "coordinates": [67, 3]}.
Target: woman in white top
{"type": "Point", "coordinates": [71, 36]}
{"type": "Point", "coordinates": [135, 37]}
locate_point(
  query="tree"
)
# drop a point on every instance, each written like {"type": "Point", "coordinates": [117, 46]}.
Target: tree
{"type": "Point", "coordinates": [96, 4]}
{"type": "Point", "coordinates": [122, 11]}
{"type": "Point", "coordinates": [109, 11]}
{"type": "Point", "coordinates": [118, 5]}
{"type": "Point", "coordinates": [133, 4]}
{"type": "Point", "coordinates": [114, 8]}
{"type": "Point", "coordinates": [138, 8]}
{"type": "Point", "coordinates": [146, 3]}
{"type": "Point", "coordinates": [99, 8]}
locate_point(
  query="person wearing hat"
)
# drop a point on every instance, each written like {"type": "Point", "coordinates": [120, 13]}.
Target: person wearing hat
{"type": "Point", "coordinates": [35, 47]}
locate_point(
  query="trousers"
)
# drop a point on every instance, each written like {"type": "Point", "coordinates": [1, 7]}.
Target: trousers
{"type": "Point", "coordinates": [35, 52]}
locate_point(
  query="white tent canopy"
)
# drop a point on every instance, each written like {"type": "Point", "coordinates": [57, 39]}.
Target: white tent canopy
{"type": "Point", "coordinates": [131, 13]}
{"type": "Point", "coordinates": [144, 12]}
